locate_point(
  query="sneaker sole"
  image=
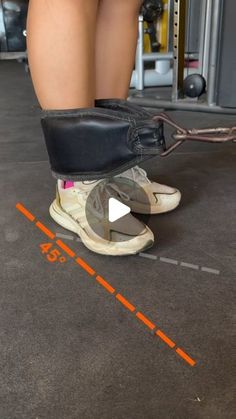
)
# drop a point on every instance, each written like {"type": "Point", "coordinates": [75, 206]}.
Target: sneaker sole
{"type": "Point", "coordinates": [106, 248]}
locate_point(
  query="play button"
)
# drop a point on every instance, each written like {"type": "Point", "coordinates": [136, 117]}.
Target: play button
{"type": "Point", "coordinates": [116, 210]}
{"type": "Point", "coordinates": [108, 209]}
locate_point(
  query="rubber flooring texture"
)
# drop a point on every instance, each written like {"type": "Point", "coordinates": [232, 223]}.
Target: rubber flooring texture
{"type": "Point", "coordinates": [69, 348]}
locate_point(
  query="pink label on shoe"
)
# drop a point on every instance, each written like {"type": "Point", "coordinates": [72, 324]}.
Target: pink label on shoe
{"type": "Point", "coordinates": [68, 184]}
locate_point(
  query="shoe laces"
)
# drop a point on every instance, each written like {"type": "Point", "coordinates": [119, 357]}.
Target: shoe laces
{"type": "Point", "coordinates": [103, 189]}
{"type": "Point", "coordinates": [138, 175]}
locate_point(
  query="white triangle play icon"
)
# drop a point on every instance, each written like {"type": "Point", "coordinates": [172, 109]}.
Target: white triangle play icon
{"type": "Point", "coordinates": [116, 210]}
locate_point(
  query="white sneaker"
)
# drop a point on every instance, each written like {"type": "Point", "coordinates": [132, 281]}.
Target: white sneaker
{"type": "Point", "coordinates": [161, 198]}
{"type": "Point", "coordinates": [126, 236]}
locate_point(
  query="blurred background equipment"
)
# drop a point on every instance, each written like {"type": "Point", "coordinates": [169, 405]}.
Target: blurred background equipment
{"type": "Point", "coordinates": [152, 9]}
{"type": "Point", "coordinates": [193, 59]}
{"type": "Point", "coordinates": [194, 85]}
{"type": "Point", "coordinates": [13, 14]}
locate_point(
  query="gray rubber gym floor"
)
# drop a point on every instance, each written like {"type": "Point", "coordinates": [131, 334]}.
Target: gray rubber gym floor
{"type": "Point", "coordinates": [69, 348]}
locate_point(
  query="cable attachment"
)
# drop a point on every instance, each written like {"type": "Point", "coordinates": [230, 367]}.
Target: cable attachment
{"type": "Point", "coordinates": [209, 135]}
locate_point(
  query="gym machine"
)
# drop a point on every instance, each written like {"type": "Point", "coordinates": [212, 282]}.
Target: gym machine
{"type": "Point", "coordinates": [216, 58]}
{"type": "Point", "coordinates": [163, 73]}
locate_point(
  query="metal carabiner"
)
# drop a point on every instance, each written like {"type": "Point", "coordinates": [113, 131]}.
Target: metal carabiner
{"type": "Point", "coordinates": [209, 135]}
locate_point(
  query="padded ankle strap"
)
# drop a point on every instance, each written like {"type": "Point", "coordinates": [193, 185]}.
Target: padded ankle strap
{"type": "Point", "coordinates": [94, 143]}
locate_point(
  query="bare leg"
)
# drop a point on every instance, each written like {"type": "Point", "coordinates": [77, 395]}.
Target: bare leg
{"type": "Point", "coordinates": [116, 41]}
{"type": "Point", "coordinates": [61, 38]}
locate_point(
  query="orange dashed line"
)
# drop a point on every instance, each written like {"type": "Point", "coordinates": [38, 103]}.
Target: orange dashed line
{"type": "Point", "coordinates": [25, 212]}
{"type": "Point", "coordinates": [165, 338]}
{"type": "Point", "coordinates": [187, 358]}
{"type": "Point", "coordinates": [65, 248]}
{"type": "Point", "coordinates": [105, 284]}
{"type": "Point", "coordinates": [145, 320]}
{"type": "Point", "coordinates": [85, 266]}
{"type": "Point", "coordinates": [45, 230]}
{"type": "Point", "coordinates": [125, 302]}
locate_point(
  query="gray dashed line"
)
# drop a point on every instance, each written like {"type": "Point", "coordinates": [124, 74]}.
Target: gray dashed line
{"type": "Point", "coordinates": [167, 260]}
{"type": "Point", "coordinates": [148, 256]}
{"type": "Point", "coordinates": [154, 257]}
{"type": "Point", "coordinates": [210, 271]}
{"type": "Point", "coordinates": [67, 237]}
{"type": "Point", "coordinates": [189, 265]}
{"type": "Point", "coordinates": [64, 236]}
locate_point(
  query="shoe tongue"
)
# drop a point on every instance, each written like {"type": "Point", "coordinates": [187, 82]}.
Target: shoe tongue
{"type": "Point", "coordinates": [136, 175]}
